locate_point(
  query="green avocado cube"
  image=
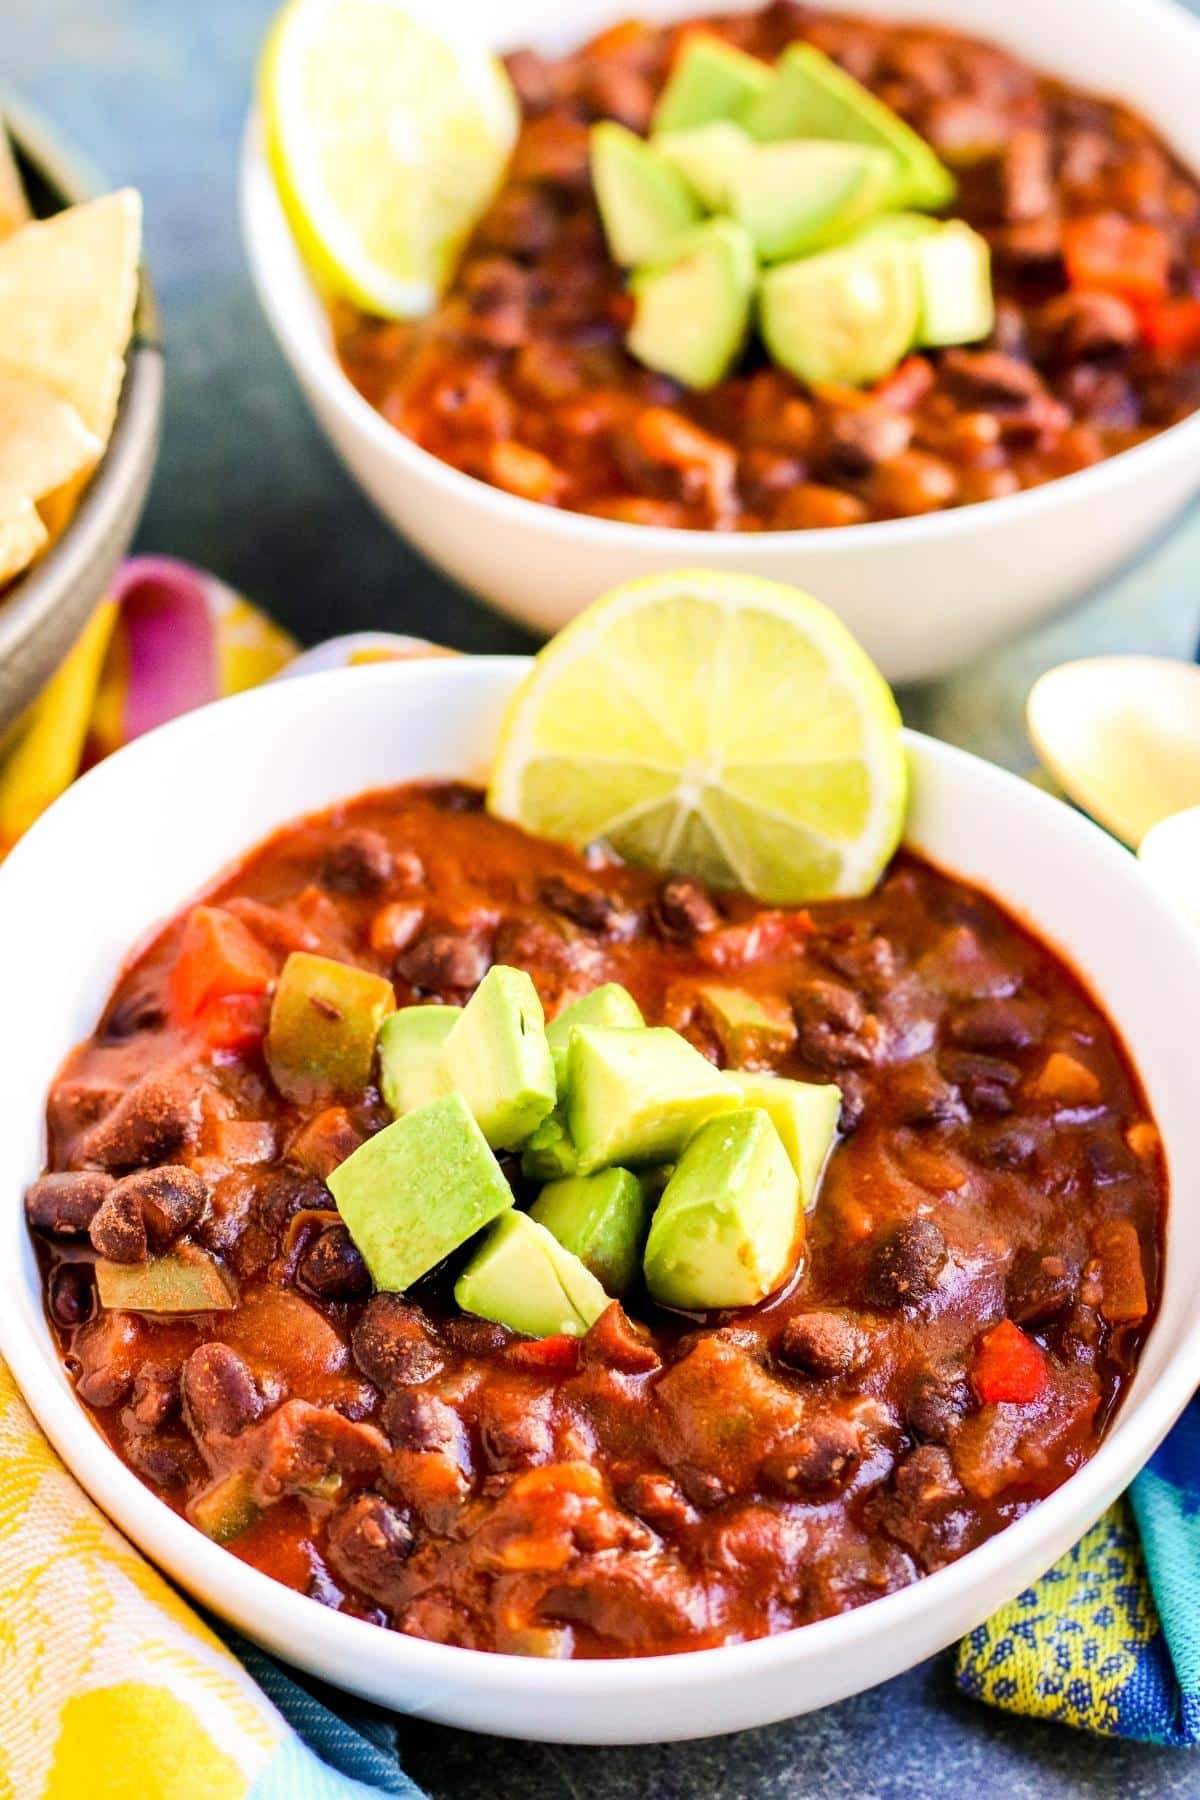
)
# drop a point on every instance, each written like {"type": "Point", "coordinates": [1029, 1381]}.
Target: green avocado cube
{"type": "Point", "coordinates": [549, 1153]}
{"type": "Point", "coordinates": [794, 198]}
{"type": "Point", "coordinates": [601, 1219]}
{"type": "Point", "coordinates": [896, 228]}
{"type": "Point", "coordinates": [636, 1097]}
{"type": "Point", "coordinates": [705, 156]}
{"type": "Point", "coordinates": [417, 1190]}
{"type": "Point", "coordinates": [325, 1018]}
{"type": "Point", "coordinates": [610, 1004]}
{"type": "Point", "coordinates": [691, 310]}
{"type": "Point", "coordinates": [410, 1045]}
{"type": "Point", "coordinates": [754, 1030]}
{"type": "Point", "coordinates": [805, 1114]}
{"type": "Point", "coordinates": [496, 1056]}
{"type": "Point", "coordinates": [954, 270]}
{"type": "Point", "coordinates": [644, 201]}
{"type": "Point", "coordinates": [729, 1226]}
{"type": "Point", "coordinates": [811, 97]}
{"type": "Point", "coordinates": [521, 1277]}
{"type": "Point", "coordinates": [847, 315]}
{"type": "Point", "coordinates": [711, 80]}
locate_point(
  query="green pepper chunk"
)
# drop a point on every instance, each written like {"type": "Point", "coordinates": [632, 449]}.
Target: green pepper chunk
{"type": "Point", "coordinates": [325, 1018]}
{"type": "Point", "coordinates": [184, 1280]}
{"type": "Point", "coordinates": [754, 1031]}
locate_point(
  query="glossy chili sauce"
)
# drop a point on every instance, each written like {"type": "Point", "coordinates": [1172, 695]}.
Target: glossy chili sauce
{"type": "Point", "coordinates": [980, 1271]}
{"type": "Point", "coordinates": [520, 377]}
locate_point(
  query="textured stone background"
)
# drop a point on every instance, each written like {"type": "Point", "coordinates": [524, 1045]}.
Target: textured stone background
{"type": "Point", "coordinates": [154, 92]}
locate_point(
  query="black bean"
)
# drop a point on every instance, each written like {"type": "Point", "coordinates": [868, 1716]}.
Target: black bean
{"type": "Point", "coordinates": [156, 1119]}
{"type": "Point", "coordinates": [359, 863]}
{"type": "Point", "coordinates": [415, 1420]}
{"type": "Point", "coordinates": [904, 1263]}
{"type": "Point", "coordinates": [1010, 1145]}
{"type": "Point", "coordinates": [1040, 1287]}
{"type": "Point", "coordinates": [147, 1211]}
{"type": "Point", "coordinates": [220, 1394]}
{"type": "Point", "coordinates": [998, 1024]}
{"type": "Point", "coordinates": [590, 907]}
{"type": "Point", "coordinates": [820, 1343]}
{"type": "Point", "coordinates": [921, 1096]}
{"type": "Point", "coordinates": [821, 1458]}
{"type": "Point", "coordinates": [368, 1539]}
{"type": "Point", "coordinates": [65, 1205]}
{"type": "Point", "coordinates": [991, 379]}
{"type": "Point", "coordinates": [938, 1400]}
{"type": "Point", "coordinates": [333, 1268]}
{"type": "Point", "coordinates": [444, 960]}
{"type": "Point", "coordinates": [832, 1026]}
{"type": "Point", "coordinates": [858, 440]}
{"type": "Point", "coordinates": [682, 911]}
{"type": "Point", "coordinates": [72, 1294]}
{"type": "Point", "coordinates": [393, 1344]}
{"type": "Point", "coordinates": [457, 797]}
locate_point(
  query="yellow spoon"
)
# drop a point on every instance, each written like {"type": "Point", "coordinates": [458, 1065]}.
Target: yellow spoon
{"type": "Point", "coordinates": [1121, 736]}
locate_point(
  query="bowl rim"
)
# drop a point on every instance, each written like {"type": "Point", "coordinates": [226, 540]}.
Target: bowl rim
{"type": "Point", "coordinates": [280, 1615]}
{"type": "Point", "coordinates": [54, 588]}
{"type": "Point", "coordinates": [292, 301]}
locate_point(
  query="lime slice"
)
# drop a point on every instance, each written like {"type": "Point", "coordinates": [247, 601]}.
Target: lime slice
{"type": "Point", "coordinates": [388, 135]}
{"type": "Point", "coordinates": [714, 725]}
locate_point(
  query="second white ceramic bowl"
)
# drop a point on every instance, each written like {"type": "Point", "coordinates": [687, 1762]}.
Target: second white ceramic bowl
{"type": "Point", "coordinates": [159, 819]}
{"type": "Point", "coordinates": [923, 595]}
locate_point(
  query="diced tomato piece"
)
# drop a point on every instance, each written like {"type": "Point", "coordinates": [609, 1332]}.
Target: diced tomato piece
{"type": "Point", "coordinates": [548, 1355]}
{"type": "Point", "coordinates": [217, 956]}
{"type": "Point", "coordinates": [769, 933]}
{"type": "Point", "coordinates": [236, 1022]}
{"type": "Point", "coordinates": [1009, 1366]}
{"type": "Point", "coordinates": [1117, 255]}
{"type": "Point", "coordinates": [1172, 326]}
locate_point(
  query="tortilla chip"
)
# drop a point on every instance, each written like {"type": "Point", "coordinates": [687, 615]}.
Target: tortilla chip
{"type": "Point", "coordinates": [43, 440]}
{"type": "Point", "coordinates": [22, 535]}
{"type": "Point", "coordinates": [14, 207]}
{"type": "Point", "coordinates": [68, 286]}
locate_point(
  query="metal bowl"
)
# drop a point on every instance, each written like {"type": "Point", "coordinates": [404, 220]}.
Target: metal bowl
{"type": "Point", "coordinates": [44, 610]}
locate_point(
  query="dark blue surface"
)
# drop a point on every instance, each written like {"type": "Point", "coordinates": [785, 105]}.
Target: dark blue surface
{"type": "Point", "coordinates": [155, 91]}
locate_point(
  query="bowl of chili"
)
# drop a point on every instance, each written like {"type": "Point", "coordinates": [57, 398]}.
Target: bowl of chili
{"type": "Point", "coordinates": [1021, 1066]}
{"type": "Point", "coordinates": [968, 496]}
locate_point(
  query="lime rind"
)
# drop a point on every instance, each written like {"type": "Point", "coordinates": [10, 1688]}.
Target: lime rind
{"type": "Point", "coordinates": [772, 757]}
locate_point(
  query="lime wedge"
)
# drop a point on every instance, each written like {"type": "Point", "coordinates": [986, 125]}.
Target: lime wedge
{"type": "Point", "coordinates": [715, 725]}
{"type": "Point", "coordinates": [388, 135]}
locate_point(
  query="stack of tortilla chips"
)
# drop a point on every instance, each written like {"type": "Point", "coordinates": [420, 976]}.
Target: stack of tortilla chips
{"type": "Point", "coordinates": [68, 286]}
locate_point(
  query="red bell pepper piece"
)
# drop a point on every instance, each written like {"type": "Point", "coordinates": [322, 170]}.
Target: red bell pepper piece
{"type": "Point", "coordinates": [217, 956]}
{"type": "Point", "coordinates": [1117, 255]}
{"type": "Point", "coordinates": [1009, 1366]}
{"type": "Point", "coordinates": [1172, 326]}
{"type": "Point", "coordinates": [548, 1355]}
{"type": "Point", "coordinates": [234, 1022]}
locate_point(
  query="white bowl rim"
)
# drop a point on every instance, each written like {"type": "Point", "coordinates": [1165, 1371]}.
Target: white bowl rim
{"type": "Point", "coordinates": [237, 1591]}
{"type": "Point", "coordinates": [317, 357]}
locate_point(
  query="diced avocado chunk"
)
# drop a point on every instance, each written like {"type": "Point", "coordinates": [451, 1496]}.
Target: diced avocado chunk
{"type": "Point", "coordinates": [523, 1278]}
{"type": "Point", "coordinates": [794, 198]}
{"type": "Point", "coordinates": [711, 80]}
{"type": "Point", "coordinates": [410, 1046]}
{"type": "Point", "coordinates": [636, 1097]}
{"type": "Point", "coordinates": [896, 228]}
{"type": "Point", "coordinates": [418, 1189]}
{"type": "Point", "coordinates": [610, 1004]}
{"type": "Point", "coordinates": [955, 274]}
{"type": "Point", "coordinates": [496, 1056]}
{"type": "Point", "coordinates": [729, 1226]}
{"type": "Point", "coordinates": [805, 1114]}
{"type": "Point", "coordinates": [706, 156]}
{"type": "Point", "coordinates": [754, 1030]}
{"type": "Point", "coordinates": [692, 312]}
{"type": "Point", "coordinates": [847, 315]}
{"type": "Point", "coordinates": [811, 97]}
{"type": "Point", "coordinates": [601, 1219]}
{"type": "Point", "coordinates": [644, 201]}
{"type": "Point", "coordinates": [325, 1018]}
{"type": "Point", "coordinates": [549, 1153]}
{"type": "Point", "coordinates": [184, 1280]}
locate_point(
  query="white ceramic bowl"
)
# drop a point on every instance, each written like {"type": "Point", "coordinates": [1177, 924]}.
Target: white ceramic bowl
{"type": "Point", "coordinates": [133, 840]}
{"type": "Point", "coordinates": [923, 595]}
